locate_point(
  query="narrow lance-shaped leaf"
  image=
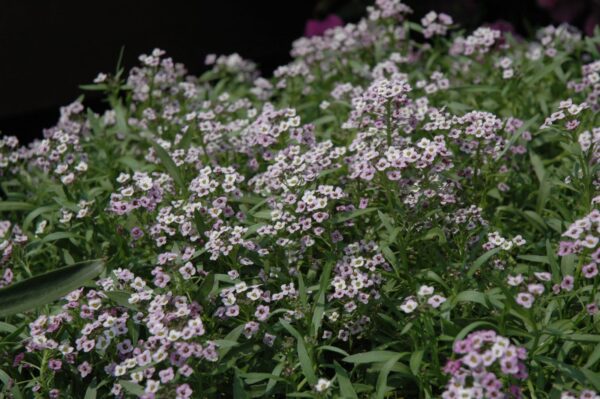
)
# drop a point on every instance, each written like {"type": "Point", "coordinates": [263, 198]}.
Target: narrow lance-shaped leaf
{"type": "Point", "coordinates": [481, 260]}
{"type": "Point", "coordinates": [372, 357]}
{"type": "Point", "coordinates": [319, 309]}
{"type": "Point", "coordinates": [344, 383]}
{"type": "Point", "coordinates": [303, 356]}
{"type": "Point", "coordinates": [46, 288]}
{"type": "Point", "coordinates": [168, 163]}
{"type": "Point", "coordinates": [383, 376]}
{"type": "Point", "coordinates": [7, 206]}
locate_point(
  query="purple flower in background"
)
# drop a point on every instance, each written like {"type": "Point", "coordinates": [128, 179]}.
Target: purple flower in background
{"type": "Point", "coordinates": [55, 364]}
{"type": "Point", "coordinates": [566, 11]}
{"type": "Point", "coordinates": [316, 27]}
{"type": "Point", "coordinates": [503, 26]}
{"type": "Point", "coordinates": [547, 3]}
{"type": "Point", "coordinates": [18, 359]}
{"type": "Point", "coordinates": [137, 233]}
{"type": "Point", "coordinates": [569, 10]}
{"type": "Point", "coordinates": [591, 22]}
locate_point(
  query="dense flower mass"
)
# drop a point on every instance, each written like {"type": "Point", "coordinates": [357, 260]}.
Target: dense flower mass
{"type": "Point", "coordinates": [404, 210]}
{"type": "Point", "coordinates": [485, 360]}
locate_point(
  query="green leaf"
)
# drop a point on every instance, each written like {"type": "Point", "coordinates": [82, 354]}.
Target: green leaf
{"type": "Point", "coordinates": [535, 219]}
{"type": "Point", "coordinates": [592, 377]}
{"type": "Point", "coordinates": [543, 196]}
{"type": "Point", "coordinates": [232, 336]}
{"type": "Point", "coordinates": [11, 338]}
{"type": "Point", "coordinates": [37, 212]}
{"type": "Point", "coordinates": [568, 371]}
{"type": "Point", "coordinates": [535, 258]}
{"type": "Point", "coordinates": [6, 327]}
{"type": "Point", "coordinates": [272, 381]}
{"type": "Point", "coordinates": [551, 254]}
{"type": "Point", "coordinates": [132, 387]}
{"type": "Point", "coordinates": [471, 296]}
{"type": "Point", "coordinates": [94, 87]}
{"type": "Point", "coordinates": [303, 356]}
{"type": "Point", "coordinates": [121, 298]}
{"type": "Point", "coordinates": [302, 294]}
{"type": "Point", "coordinates": [59, 235]}
{"type": "Point", "coordinates": [45, 288]}
{"type": "Point", "coordinates": [383, 375]}
{"type": "Point", "coordinates": [372, 357]}
{"type": "Point", "coordinates": [471, 327]}
{"type": "Point", "coordinates": [91, 391]}
{"type": "Point", "coordinates": [495, 193]}
{"type": "Point", "coordinates": [264, 214]}
{"type": "Point", "coordinates": [319, 308]}
{"type": "Point", "coordinates": [121, 116]}
{"type": "Point", "coordinates": [206, 288]}
{"type": "Point", "coordinates": [238, 388]}
{"type": "Point", "coordinates": [253, 378]}
{"type": "Point", "coordinates": [346, 388]}
{"type": "Point", "coordinates": [324, 119]}
{"type": "Point", "coordinates": [225, 343]}
{"type": "Point", "coordinates": [333, 349]}
{"type": "Point", "coordinates": [168, 163]}
{"type": "Point", "coordinates": [594, 357]}
{"type": "Point", "coordinates": [5, 378]}
{"type": "Point", "coordinates": [415, 361]}
{"type": "Point", "coordinates": [433, 276]}
{"type": "Point", "coordinates": [595, 338]}
{"type": "Point", "coordinates": [538, 166]}
{"type": "Point", "coordinates": [7, 206]}
{"type": "Point", "coordinates": [481, 260]}
{"type": "Point", "coordinates": [387, 221]}
{"type": "Point", "coordinates": [359, 212]}
{"type": "Point", "coordinates": [518, 134]}
{"type": "Point", "coordinates": [436, 232]}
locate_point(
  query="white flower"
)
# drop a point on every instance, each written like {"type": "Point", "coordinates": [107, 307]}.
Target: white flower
{"type": "Point", "coordinates": [123, 177]}
{"type": "Point", "coordinates": [425, 290]}
{"type": "Point", "coordinates": [173, 335]}
{"type": "Point", "coordinates": [436, 300]}
{"type": "Point", "coordinates": [322, 385]}
{"type": "Point", "coordinates": [152, 386]}
{"type": "Point", "coordinates": [333, 316]}
{"type": "Point", "coordinates": [81, 167]}
{"type": "Point", "coordinates": [145, 183]}
{"type": "Point", "coordinates": [41, 227]}
{"type": "Point", "coordinates": [409, 306]}
{"type": "Point", "coordinates": [68, 179]}
{"type": "Point", "coordinates": [100, 78]}
{"type": "Point", "coordinates": [120, 370]}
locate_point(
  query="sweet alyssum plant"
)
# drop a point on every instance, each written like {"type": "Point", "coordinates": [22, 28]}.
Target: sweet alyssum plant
{"type": "Point", "coordinates": [406, 210]}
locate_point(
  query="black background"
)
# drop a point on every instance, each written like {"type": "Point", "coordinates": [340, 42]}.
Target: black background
{"type": "Point", "coordinates": [51, 47]}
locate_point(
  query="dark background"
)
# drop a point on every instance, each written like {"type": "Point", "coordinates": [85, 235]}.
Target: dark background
{"type": "Point", "coordinates": [49, 48]}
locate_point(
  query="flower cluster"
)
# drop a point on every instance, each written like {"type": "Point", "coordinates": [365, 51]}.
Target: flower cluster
{"type": "Point", "coordinates": [425, 298]}
{"type": "Point", "coordinates": [487, 363]}
{"type": "Point", "coordinates": [568, 111]}
{"type": "Point", "coordinates": [479, 42]}
{"type": "Point", "coordinates": [234, 65]}
{"type": "Point", "coordinates": [173, 326]}
{"type": "Point", "coordinates": [10, 236]}
{"type": "Point", "coordinates": [435, 24]}
{"type": "Point", "coordinates": [9, 157]}
{"type": "Point", "coordinates": [590, 143]}
{"type": "Point", "coordinates": [328, 231]}
{"type": "Point", "coordinates": [582, 236]}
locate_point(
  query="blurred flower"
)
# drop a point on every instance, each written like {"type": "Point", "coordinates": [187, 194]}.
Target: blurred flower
{"type": "Point", "coordinates": [316, 27]}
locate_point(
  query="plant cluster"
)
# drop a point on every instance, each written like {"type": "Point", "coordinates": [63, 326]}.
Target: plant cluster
{"type": "Point", "coordinates": [405, 210]}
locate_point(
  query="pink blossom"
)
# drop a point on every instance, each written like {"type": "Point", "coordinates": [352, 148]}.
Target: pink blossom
{"type": "Point", "coordinates": [316, 27]}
